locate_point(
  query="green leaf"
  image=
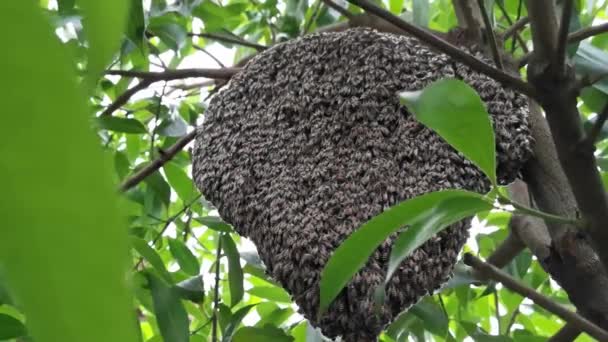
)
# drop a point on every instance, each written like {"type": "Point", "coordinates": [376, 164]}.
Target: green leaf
{"type": "Point", "coordinates": [122, 125]}
{"type": "Point", "coordinates": [180, 182]}
{"type": "Point", "coordinates": [150, 255]}
{"type": "Point", "coordinates": [215, 223]}
{"type": "Point", "coordinates": [235, 272]}
{"type": "Point", "coordinates": [65, 6]}
{"type": "Point", "coordinates": [64, 248]}
{"type": "Point", "coordinates": [460, 118]}
{"type": "Point", "coordinates": [272, 293]}
{"type": "Point", "coordinates": [432, 315]}
{"type": "Point", "coordinates": [10, 327]}
{"type": "Point", "coordinates": [352, 254]}
{"type": "Point", "coordinates": [235, 321]}
{"type": "Point", "coordinates": [169, 311]}
{"type": "Point", "coordinates": [157, 183]}
{"type": "Point", "coordinates": [136, 25]}
{"type": "Point", "coordinates": [169, 31]}
{"type": "Point", "coordinates": [104, 24]}
{"type": "Point", "coordinates": [396, 6]}
{"type": "Point", "coordinates": [591, 61]}
{"type": "Point", "coordinates": [174, 126]}
{"type": "Point", "coordinates": [265, 334]}
{"type": "Point", "coordinates": [420, 12]}
{"type": "Point", "coordinates": [184, 257]}
{"type": "Point", "coordinates": [192, 289]}
{"type": "Point", "coordinates": [432, 221]}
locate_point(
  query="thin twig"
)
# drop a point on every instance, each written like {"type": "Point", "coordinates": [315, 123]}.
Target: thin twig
{"type": "Point", "coordinates": [490, 34]}
{"type": "Point", "coordinates": [156, 164]}
{"type": "Point", "coordinates": [343, 11]}
{"type": "Point", "coordinates": [313, 16]}
{"type": "Point", "coordinates": [449, 49]}
{"type": "Point", "coordinates": [518, 25]}
{"type": "Point", "coordinates": [497, 309]}
{"type": "Point", "coordinates": [511, 321]}
{"type": "Point", "coordinates": [562, 40]}
{"type": "Point", "coordinates": [230, 40]}
{"type": "Point", "coordinates": [516, 35]}
{"type": "Point", "coordinates": [156, 115]}
{"type": "Point", "coordinates": [125, 97]}
{"type": "Point", "coordinates": [538, 298]}
{"type": "Point", "coordinates": [170, 75]}
{"type": "Point", "coordinates": [597, 126]}
{"type": "Point", "coordinates": [215, 59]}
{"type": "Point", "coordinates": [216, 289]}
{"type": "Point", "coordinates": [587, 32]}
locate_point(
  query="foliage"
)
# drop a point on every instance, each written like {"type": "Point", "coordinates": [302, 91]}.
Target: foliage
{"type": "Point", "coordinates": [65, 235]}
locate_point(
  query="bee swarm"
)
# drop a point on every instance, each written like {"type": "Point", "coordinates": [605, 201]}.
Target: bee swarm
{"type": "Point", "coordinates": [309, 141]}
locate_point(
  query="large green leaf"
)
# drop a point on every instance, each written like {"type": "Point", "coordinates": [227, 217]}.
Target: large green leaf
{"type": "Point", "coordinates": [10, 327]}
{"type": "Point", "coordinates": [180, 182]}
{"type": "Point", "coordinates": [235, 321]}
{"type": "Point", "coordinates": [352, 254]}
{"type": "Point", "coordinates": [235, 272]}
{"type": "Point", "coordinates": [454, 110]}
{"type": "Point", "coordinates": [104, 24]}
{"type": "Point", "coordinates": [64, 247]}
{"type": "Point", "coordinates": [431, 222]}
{"type": "Point", "coordinates": [273, 293]}
{"type": "Point", "coordinates": [170, 313]}
{"type": "Point", "coordinates": [265, 334]}
{"type": "Point", "coordinates": [186, 260]}
{"type": "Point", "coordinates": [591, 61]}
{"type": "Point", "coordinates": [432, 315]}
{"type": "Point", "coordinates": [122, 125]}
{"type": "Point", "coordinates": [150, 255]}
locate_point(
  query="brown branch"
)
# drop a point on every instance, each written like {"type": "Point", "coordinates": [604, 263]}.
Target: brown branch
{"type": "Point", "coordinates": [216, 290]}
{"type": "Point", "coordinates": [125, 97]}
{"type": "Point", "coordinates": [597, 126]}
{"type": "Point", "coordinates": [156, 164]}
{"type": "Point", "coordinates": [169, 75]}
{"type": "Point", "coordinates": [587, 32]}
{"type": "Point", "coordinates": [215, 59]}
{"type": "Point", "coordinates": [515, 33]}
{"type": "Point", "coordinates": [515, 27]}
{"type": "Point", "coordinates": [343, 11]}
{"type": "Point", "coordinates": [490, 35]}
{"type": "Point", "coordinates": [449, 49]}
{"type": "Point", "coordinates": [567, 333]}
{"type": "Point", "coordinates": [538, 298]}
{"type": "Point", "coordinates": [562, 39]}
{"type": "Point", "coordinates": [230, 40]}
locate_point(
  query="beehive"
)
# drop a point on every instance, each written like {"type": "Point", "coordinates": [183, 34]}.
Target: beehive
{"type": "Point", "coordinates": [309, 141]}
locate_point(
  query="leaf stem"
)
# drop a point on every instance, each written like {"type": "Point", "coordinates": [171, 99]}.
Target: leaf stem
{"type": "Point", "coordinates": [522, 209]}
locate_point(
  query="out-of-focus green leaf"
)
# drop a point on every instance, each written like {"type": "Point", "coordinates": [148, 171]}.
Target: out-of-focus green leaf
{"type": "Point", "coordinates": [591, 61]}
{"type": "Point", "coordinates": [174, 126]}
{"type": "Point", "coordinates": [157, 183]}
{"type": "Point", "coordinates": [104, 24]}
{"type": "Point", "coordinates": [184, 257]}
{"type": "Point", "coordinates": [122, 125]}
{"type": "Point", "coordinates": [169, 31]}
{"type": "Point", "coordinates": [170, 314]}
{"type": "Point", "coordinates": [136, 25]}
{"type": "Point", "coordinates": [181, 183]}
{"type": "Point", "coordinates": [420, 12]}
{"type": "Point", "coordinates": [10, 327]}
{"type": "Point", "coordinates": [396, 6]}
{"type": "Point", "coordinates": [151, 256]}
{"type": "Point", "coordinates": [235, 321]}
{"type": "Point", "coordinates": [62, 231]}
{"type": "Point", "coordinates": [275, 294]}
{"type": "Point", "coordinates": [235, 272]}
{"type": "Point", "coordinates": [432, 315]}
{"type": "Point", "coordinates": [265, 334]}
{"type": "Point", "coordinates": [352, 254]}
{"type": "Point", "coordinates": [65, 6]}
{"type": "Point", "coordinates": [192, 289]}
{"type": "Point", "coordinates": [215, 223]}
{"type": "Point", "coordinates": [460, 118]}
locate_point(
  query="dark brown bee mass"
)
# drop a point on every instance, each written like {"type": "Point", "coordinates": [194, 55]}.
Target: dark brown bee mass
{"type": "Point", "coordinates": [309, 141]}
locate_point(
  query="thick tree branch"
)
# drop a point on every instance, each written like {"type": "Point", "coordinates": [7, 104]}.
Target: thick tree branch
{"type": "Point", "coordinates": [228, 39]}
{"type": "Point", "coordinates": [567, 333]}
{"type": "Point", "coordinates": [449, 49]}
{"type": "Point", "coordinates": [169, 75]}
{"type": "Point", "coordinates": [587, 32]}
{"type": "Point", "coordinates": [562, 39]}
{"type": "Point", "coordinates": [540, 299]}
{"type": "Point", "coordinates": [156, 164]}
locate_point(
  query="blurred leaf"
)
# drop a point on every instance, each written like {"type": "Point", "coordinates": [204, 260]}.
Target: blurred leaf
{"type": "Point", "coordinates": [169, 31]}
{"type": "Point", "coordinates": [65, 6]}
{"type": "Point", "coordinates": [396, 6]}
{"type": "Point", "coordinates": [136, 25]}
{"type": "Point", "coordinates": [192, 289]}
{"type": "Point", "coordinates": [352, 254]}
{"type": "Point", "coordinates": [180, 182]}
{"type": "Point", "coordinates": [420, 12]}
{"type": "Point", "coordinates": [170, 313]}
{"type": "Point", "coordinates": [275, 294]}
{"type": "Point", "coordinates": [174, 126]}
{"type": "Point", "coordinates": [460, 118]}
{"type": "Point", "coordinates": [235, 272]}
{"type": "Point", "coordinates": [480, 335]}
{"type": "Point", "coordinates": [216, 17]}
{"type": "Point", "coordinates": [432, 315]}
{"type": "Point", "coordinates": [265, 334]}
{"type": "Point", "coordinates": [10, 327]}
{"type": "Point", "coordinates": [215, 223]}
{"type": "Point", "coordinates": [235, 321]}
{"type": "Point", "coordinates": [121, 164]}
{"type": "Point", "coordinates": [152, 257]}
{"type": "Point", "coordinates": [432, 221]}
{"type": "Point", "coordinates": [123, 125]}
{"type": "Point", "coordinates": [157, 183]}
{"type": "Point", "coordinates": [63, 237]}
{"type": "Point", "coordinates": [184, 257]}
{"type": "Point", "coordinates": [591, 61]}
{"type": "Point", "coordinates": [104, 24]}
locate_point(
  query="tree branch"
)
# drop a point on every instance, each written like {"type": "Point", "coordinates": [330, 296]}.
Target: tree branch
{"type": "Point", "coordinates": [449, 49]}
{"type": "Point", "coordinates": [156, 164]}
{"type": "Point", "coordinates": [490, 35]}
{"type": "Point", "coordinates": [541, 300]}
{"type": "Point", "coordinates": [125, 97]}
{"type": "Point", "coordinates": [587, 32]}
{"type": "Point", "coordinates": [169, 75]}
{"type": "Point", "coordinates": [230, 40]}
{"type": "Point", "coordinates": [562, 39]}
{"type": "Point", "coordinates": [343, 11]}
{"type": "Point", "coordinates": [518, 25]}
{"type": "Point", "coordinates": [567, 333]}
{"type": "Point", "coordinates": [597, 126]}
